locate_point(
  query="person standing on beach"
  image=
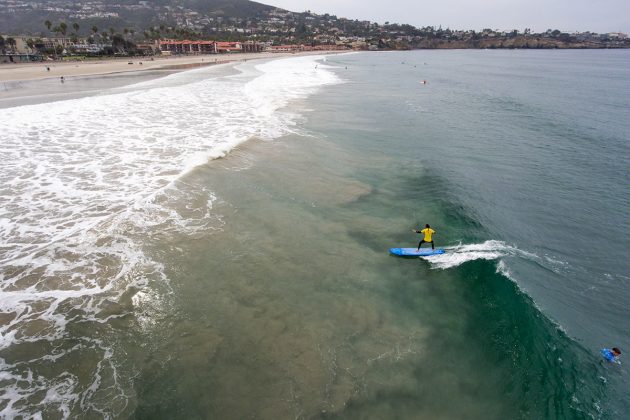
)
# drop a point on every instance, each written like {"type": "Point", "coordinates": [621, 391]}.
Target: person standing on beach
{"type": "Point", "coordinates": [428, 236]}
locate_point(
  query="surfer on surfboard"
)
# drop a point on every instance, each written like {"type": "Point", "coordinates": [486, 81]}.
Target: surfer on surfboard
{"type": "Point", "coordinates": [612, 355]}
{"type": "Point", "coordinates": [428, 236]}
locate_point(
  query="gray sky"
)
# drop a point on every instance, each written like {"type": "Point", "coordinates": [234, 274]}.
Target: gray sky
{"type": "Point", "coordinates": [539, 15]}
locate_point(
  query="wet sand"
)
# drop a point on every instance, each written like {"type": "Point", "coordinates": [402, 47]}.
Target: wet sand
{"type": "Point", "coordinates": [36, 71]}
{"type": "Point", "coordinates": [31, 83]}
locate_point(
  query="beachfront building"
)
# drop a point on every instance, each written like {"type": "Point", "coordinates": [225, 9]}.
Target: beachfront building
{"type": "Point", "coordinates": [52, 42]}
{"type": "Point", "coordinates": [148, 48]}
{"type": "Point", "coordinates": [251, 46]}
{"type": "Point", "coordinates": [171, 46]}
{"type": "Point", "coordinates": [86, 48]}
{"type": "Point", "coordinates": [187, 47]}
{"type": "Point", "coordinates": [22, 49]}
{"type": "Point", "coordinates": [229, 47]}
{"type": "Point", "coordinates": [26, 45]}
{"type": "Point", "coordinates": [285, 48]}
{"type": "Point", "coordinates": [297, 48]}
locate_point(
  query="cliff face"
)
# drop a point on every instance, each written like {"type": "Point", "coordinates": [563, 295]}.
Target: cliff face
{"type": "Point", "coordinates": [520, 42]}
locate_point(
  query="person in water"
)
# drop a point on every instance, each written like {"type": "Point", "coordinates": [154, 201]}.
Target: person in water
{"type": "Point", "coordinates": [428, 236]}
{"type": "Point", "coordinates": [612, 355]}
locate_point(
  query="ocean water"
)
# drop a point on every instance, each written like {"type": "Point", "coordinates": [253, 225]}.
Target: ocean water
{"type": "Point", "coordinates": [213, 244]}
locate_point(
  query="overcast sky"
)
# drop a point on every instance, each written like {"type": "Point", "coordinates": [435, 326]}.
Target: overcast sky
{"type": "Point", "coordinates": [539, 15]}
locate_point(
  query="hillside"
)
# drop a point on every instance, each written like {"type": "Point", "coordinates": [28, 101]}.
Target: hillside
{"type": "Point", "coordinates": [244, 20]}
{"type": "Point", "coordinates": [27, 17]}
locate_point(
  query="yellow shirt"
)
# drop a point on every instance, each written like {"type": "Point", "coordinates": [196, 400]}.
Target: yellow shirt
{"type": "Point", "coordinates": [428, 234]}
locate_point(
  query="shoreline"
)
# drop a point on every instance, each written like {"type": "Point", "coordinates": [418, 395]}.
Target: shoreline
{"type": "Point", "coordinates": [30, 83]}
{"type": "Point", "coordinates": [24, 72]}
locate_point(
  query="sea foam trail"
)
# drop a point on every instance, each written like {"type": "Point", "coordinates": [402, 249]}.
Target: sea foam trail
{"type": "Point", "coordinates": [460, 254]}
{"type": "Point", "coordinates": [85, 185]}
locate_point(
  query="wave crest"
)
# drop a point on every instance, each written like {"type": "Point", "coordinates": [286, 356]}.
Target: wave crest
{"type": "Point", "coordinates": [460, 254]}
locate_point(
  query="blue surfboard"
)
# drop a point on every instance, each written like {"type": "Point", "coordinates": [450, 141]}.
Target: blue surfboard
{"type": "Point", "coordinates": [413, 252]}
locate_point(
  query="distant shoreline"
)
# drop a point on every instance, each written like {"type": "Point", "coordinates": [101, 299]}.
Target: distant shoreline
{"type": "Point", "coordinates": [17, 72]}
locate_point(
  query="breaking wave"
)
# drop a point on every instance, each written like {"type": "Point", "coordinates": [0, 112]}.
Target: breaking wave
{"type": "Point", "coordinates": [88, 184]}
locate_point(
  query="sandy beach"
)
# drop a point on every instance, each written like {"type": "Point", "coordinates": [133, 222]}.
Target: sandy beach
{"type": "Point", "coordinates": [38, 71]}
{"type": "Point", "coordinates": [31, 83]}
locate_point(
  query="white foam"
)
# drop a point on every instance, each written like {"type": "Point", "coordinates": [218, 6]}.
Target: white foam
{"type": "Point", "coordinates": [460, 254]}
{"type": "Point", "coordinates": [86, 181]}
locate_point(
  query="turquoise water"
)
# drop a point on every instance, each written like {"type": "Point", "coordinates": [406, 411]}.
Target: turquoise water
{"type": "Point", "coordinates": [257, 282]}
{"type": "Point", "coordinates": [528, 148]}
{"type": "Point", "coordinates": [506, 156]}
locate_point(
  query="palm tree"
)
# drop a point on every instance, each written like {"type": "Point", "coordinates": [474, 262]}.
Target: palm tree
{"type": "Point", "coordinates": [94, 29]}
{"type": "Point", "coordinates": [48, 24]}
{"type": "Point", "coordinates": [75, 26]}
{"type": "Point", "coordinates": [63, 28]}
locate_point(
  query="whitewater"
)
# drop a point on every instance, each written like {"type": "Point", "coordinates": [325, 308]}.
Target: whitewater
{"type": "Point", "coordinates": [214, 243]}
{"type": "Point", "coordinates": [82, 182]}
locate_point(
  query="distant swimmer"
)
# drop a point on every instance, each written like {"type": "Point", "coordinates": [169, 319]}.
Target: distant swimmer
{"type": "Point", "coordinates": [612, 355]}
{"type": "Point", "coordinates": [62, 79]}
{"type": "Point", "coordinates": [424, 82]}
{"type": "Point", "coordinates": [428, 236]}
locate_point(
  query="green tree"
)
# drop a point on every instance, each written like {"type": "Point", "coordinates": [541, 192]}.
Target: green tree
{"type": "Point", "coordinates": [2, 44]}
{"type": "Point", "coordinates": [48, 24]}
{"type": "Point", "coordinates": [94, 29]}
{"type": "Point", "coordinates": [63, 28]}
{"type": "Point", "coordinates": [75, 26]}
{"type": "Point", "coordinates": [11, 43]}
{"type": "Point", "coordinates": [39, 45]}
{"type": "Point", "coordinates": [120, 44]}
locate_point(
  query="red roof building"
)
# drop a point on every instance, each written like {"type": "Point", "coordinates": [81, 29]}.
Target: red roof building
{"type": "Point", "coordinates": [228, 47]}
